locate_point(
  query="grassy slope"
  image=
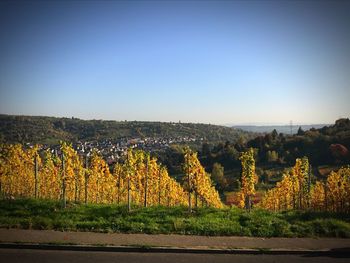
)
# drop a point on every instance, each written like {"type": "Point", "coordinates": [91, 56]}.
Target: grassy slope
{"type": "Point", "coordinates": [43, 214]}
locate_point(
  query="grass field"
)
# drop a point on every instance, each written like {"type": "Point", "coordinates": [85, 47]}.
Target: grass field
{"type": "Point", "coordinates": [45, 214]}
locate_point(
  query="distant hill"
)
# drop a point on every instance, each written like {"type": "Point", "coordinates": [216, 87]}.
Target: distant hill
{"type": "Point", "coordinates": [50, 130]}
{"type": "Point", "coordinates": [326, 145]}
{"type": "Point", "coordinates": [279, 128]}
{"type": "Point", "coordinates": [327, 148]}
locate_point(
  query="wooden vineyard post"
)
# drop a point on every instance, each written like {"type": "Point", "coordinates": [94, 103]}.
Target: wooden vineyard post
{"type": "Point", "coordinates": [36, 176]}
{"type": "Point", "coordinates": [63, 182]}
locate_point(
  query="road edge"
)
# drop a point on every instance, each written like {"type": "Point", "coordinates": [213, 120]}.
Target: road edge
{"type": "Point", "coordinates": [189, 250]}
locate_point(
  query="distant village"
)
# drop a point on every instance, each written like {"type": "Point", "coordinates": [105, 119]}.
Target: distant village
{"type": "Point", "coordinates": [112, 150]}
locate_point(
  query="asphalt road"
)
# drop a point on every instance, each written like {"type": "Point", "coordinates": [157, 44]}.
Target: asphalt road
{"type": "Point", "coordinates": [52, 256]}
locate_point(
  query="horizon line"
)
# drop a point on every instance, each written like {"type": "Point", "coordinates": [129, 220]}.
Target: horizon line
{"type": "Point", "coordinates": [256, 124]}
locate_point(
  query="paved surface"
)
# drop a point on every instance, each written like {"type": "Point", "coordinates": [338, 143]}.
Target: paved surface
{"type": "Point", "coordinates": [41, 256]}
{"type": "Point", "coordinates": [88, 238]}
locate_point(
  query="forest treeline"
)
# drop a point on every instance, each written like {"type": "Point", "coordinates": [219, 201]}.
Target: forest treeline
{"type": "Point", "coordinates": [51, 130]}
{"type": "Point", "coordinates": [325, 146]}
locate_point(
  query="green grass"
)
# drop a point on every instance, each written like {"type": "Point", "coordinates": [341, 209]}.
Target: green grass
{"type": "Point", "coordinates": [45, 214]}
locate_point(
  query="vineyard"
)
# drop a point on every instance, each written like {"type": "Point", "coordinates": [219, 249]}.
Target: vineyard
{"type": "Point", "coordinates": [141, 181]}
{"type": "Point", "coordinates": [296, 191]}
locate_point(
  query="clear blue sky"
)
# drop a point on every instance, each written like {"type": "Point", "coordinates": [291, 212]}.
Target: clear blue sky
{"type": "Point", "coordinates": [201, 61]}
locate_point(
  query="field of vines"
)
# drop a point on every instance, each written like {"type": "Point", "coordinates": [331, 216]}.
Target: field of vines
{"type": "Point", "coordinates": [296, 192]}
{"type": "Point", "coordinates": [140, 180]}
